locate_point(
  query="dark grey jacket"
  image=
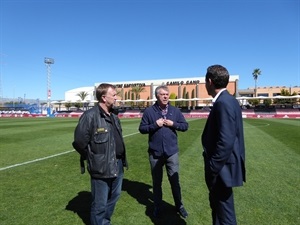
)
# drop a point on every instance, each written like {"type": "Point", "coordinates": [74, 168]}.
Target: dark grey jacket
{"type": "Point", "coordinates": [94, 140]}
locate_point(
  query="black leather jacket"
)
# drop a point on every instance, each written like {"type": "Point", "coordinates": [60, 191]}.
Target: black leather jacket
{"type": "Point", "coordinates": [94, 140]}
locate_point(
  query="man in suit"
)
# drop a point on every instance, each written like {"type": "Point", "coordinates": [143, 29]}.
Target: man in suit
{"type": "Point", "coordinates": [223, 147]}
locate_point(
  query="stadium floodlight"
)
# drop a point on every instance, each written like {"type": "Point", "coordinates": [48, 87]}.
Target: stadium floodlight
{"type": "Point", "coordinates": [48, 62]}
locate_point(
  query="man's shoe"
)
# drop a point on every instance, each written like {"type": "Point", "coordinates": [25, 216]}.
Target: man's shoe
{"type": "Point", "coordinates": [156, 212]}
{"type": "Point", "coordinates": [182, 212]}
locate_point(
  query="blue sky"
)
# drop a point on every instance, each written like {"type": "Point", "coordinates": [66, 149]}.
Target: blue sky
{"type": "Point", "coordinates": [126, 40]}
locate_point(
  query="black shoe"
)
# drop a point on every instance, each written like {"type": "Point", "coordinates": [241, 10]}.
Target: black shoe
{"type": "Point", "coordinates": [182, 212]}
{"type": "Point", "coordinates": [156, 212]}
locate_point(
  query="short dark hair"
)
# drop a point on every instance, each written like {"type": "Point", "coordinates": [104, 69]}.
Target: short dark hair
{"type": "Point", "coordinates": [102, 90]}
{"type": "Point", "coordinates": [219, 76]}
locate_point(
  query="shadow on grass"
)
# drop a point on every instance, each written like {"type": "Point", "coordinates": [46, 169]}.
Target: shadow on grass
{"type": "Point", "coordinates": [141, 192]}
{"type": "Point", "coordinates": [81, 205]}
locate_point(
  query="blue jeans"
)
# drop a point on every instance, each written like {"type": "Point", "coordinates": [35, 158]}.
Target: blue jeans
{"type": "Point", "coordinates": [105, 194]}
{"type": "Point", "coordinates": [172, 167]}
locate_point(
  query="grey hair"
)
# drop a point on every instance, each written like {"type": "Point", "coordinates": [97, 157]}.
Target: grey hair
{"type": "Point", "coordinates": [164, 87]}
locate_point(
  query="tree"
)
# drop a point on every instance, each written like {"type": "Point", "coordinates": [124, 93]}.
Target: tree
{"type": "Point", "coordinates": [120, 92]}
{"type": "Point", "coordinates": [77, 105]}
{"type": "Point", "coordinates": [137, 90]}
{"type": "Point", "coordinates": [172, 97]}
{"type": "Point", "coordinates": [183, 103]}
{"type": "Point", "coordinates": [253, 101]}
{"type": "Point", "coordinates": [267, 102]}
{"type": "Point", "coordinates": [256, 73]}
{"type": "Point", "coordinates": [82, 95]}
{"type": "Point", "coordinates": [193, 103]}
{"type": "Point", "coordinates": [285, 92]}
{"type": "Point", "coordinates": [68, 105]}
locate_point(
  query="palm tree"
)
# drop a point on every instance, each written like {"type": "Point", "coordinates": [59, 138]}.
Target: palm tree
{"type": "Point", "coordinates": [256, 73]}
{"type": "Point", "coordinates": [82, 95]}
{"type": "Point", "coordinates": [137, 90]}
{"type": "Point", "coordinates": [120, 92]}
{"type": "Point", "coordinates": [68, 105]}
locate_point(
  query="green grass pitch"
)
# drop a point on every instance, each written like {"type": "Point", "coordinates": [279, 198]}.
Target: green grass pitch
{"type": "Point", "coordinates": [40, 180]}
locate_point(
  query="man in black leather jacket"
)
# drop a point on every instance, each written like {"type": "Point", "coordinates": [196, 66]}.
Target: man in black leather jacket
{"type": "Point", "coordinates": [98, 138]}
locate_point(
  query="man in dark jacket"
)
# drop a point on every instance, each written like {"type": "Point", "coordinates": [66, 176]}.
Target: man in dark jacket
{"type": "Point", "coordinates": [160, 122]}
{"type": "Point", "coordinates": [224, 149]}
{"type": "Point", "coordinates": [98, 138]}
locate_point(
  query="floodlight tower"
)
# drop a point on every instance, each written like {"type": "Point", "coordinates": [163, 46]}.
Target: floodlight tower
{"type": "Point", "coordinates": [48, 62]}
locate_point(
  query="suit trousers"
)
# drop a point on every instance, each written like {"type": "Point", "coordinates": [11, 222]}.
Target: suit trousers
{"type": "Point", "coordinates": [222, 204]}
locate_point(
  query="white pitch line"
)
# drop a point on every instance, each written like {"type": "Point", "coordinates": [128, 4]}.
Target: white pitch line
{"type": "Point", "coordinates": [35, 160]}
{"type": "Point", "coordinates": [48, 157]}
{"type": "Point", "coordinates": [130, 134]}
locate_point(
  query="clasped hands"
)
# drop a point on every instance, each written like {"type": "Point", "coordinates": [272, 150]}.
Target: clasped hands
{"type": "Point", "coordinates": [164, 122]}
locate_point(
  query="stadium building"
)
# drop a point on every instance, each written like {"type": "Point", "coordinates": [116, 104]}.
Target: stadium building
{"type": "Point", "coordinates": [189, 94]}
{"type": "Point", "coordinates": [184, 91]}
{"type": "Point", "coordinates": [189, 90]}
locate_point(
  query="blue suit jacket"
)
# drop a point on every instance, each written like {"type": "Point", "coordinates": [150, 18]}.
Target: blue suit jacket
{"type": "Point", "coordinates": [223, 143]}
